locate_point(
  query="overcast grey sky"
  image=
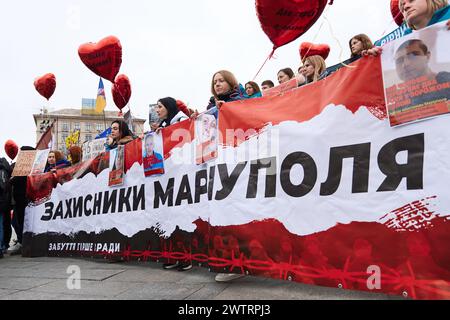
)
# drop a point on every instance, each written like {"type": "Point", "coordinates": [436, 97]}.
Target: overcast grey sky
{"type": "Point", "coordinates": [170, 48]}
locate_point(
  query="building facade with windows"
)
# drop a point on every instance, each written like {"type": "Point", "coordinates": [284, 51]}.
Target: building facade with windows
{"type": "Point", "coordinates": [67, 121]}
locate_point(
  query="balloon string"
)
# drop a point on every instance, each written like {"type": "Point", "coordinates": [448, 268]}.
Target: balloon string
{"type": "Point", "coordinates": [393, 20]}
{"type": "Point", "coordinates": [317, 33]}
{"type": "Point", "coordinates": [265, 61]}
{"type": "Point", "coordinates": [341, 50]}
{"type": "Point", "coordinates": [273, 51]}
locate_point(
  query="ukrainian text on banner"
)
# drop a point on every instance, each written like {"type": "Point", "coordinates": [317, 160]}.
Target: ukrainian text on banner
{"type": "Point", "coordinates": [312, 186]}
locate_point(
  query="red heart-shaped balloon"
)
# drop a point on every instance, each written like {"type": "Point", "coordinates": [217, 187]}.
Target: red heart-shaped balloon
{"type": "Point", "coordinates": [396, 14]}
{"type": "Point", "coordinates": [11, 149]}
{"type": "Point", "coordinates": [103, 58]}
{"type": "Point", "coordinates": [308, 49]}
{"type": "Point", "coordinates": [284, 21]}
{"type": "Point", "coordinates": [121, 91]}
{"type": "Point", "coordinates": [46, 85]}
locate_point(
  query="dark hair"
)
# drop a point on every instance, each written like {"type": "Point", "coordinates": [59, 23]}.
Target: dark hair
{"type": "Point", "coordinates": [254, 85]}
{"type": "Point", "coordinates": [123, 128]}
{"type": "Point", "coordinates": [172, 109]}
{"type": "Point", "coordinates": [409, 43]}
{"type": "Point", "coordinates": [288, 72]}
{"type": "Point", "coordinates": [268, 83]}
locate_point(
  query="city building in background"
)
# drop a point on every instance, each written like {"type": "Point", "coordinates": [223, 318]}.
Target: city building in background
{"type": "Point", "coordinates": [68, 120]}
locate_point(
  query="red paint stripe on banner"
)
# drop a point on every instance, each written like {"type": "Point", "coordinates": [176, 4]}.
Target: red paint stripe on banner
{"type": "Point", "coordinates": [177, 135]}
{"type": "Point", "coordinates": [133, 153]}
{"type": "Point", "coordinates": [358, 85]}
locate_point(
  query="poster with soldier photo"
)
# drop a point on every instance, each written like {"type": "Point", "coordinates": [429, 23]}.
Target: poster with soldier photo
{"type": "Point", "coordinates": [153, 118]}
{"type": "Point", "coordinates": [152, 154]}
{"type": "Point", "coordinates": [416, 75]}
{"type": "Point", "coordinates": [206, 135]}
{"type": "Point", "coordinates": [116, 166]}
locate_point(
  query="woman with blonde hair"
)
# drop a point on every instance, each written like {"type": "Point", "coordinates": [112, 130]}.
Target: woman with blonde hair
{"type": "Point", "coordinates": [418, 14]}
{"type": "Point", "coordinates": [313, 68]}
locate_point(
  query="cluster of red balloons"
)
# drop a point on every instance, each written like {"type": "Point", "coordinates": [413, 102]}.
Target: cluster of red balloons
{"type": "Point", "coordinates": [283, 21]}
{"type": "Point", "coordinates": [104, 58]}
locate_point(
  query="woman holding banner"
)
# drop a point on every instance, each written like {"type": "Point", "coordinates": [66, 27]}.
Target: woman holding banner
{"type": "Point", "coordinates": [418, 14]}
{"type": "Point", "coordinates": [224, 88]}
{"type": "Point", "coordinates": [313, 68]}
{"type": "Point", "coordinates": [120, 135]}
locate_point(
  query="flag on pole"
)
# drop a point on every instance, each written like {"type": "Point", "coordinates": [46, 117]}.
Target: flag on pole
{"type": "Point", "coordinates": [100, 103]}
{"type": "Point", "coordinates": [46, 140]}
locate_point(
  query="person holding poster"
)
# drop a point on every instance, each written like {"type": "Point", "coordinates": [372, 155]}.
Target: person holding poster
{"type": "Point", "coordinates": [117, 166]}
{"type": "Point", "coordinates": [152, 161]}
{"type": "Point", "coordinates": [206, 133]}
{"type": "Point", "coordinates": [414, 90]}
{"type": "Point", "coordinates": [56, 161]}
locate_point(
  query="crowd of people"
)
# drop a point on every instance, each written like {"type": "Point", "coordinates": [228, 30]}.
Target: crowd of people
{"type": "Point", "coordinates": [224, 88]}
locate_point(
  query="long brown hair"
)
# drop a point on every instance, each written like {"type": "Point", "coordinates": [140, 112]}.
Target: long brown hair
{"type": "Point", "coordinates": [254, 85]}
{"type": "Point", "coordinates": [229, 78]}
{"type": "Point", "coordinates": [58, 155]}
{"type": "Point", "coordinates": [366, 43]}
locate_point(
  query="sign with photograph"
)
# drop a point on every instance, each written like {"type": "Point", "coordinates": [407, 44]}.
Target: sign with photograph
{"type": "Point", "coordinates": [152, 154]}
{"type": "Point", "coordinates": [153, 118]}
{"type": "Point", "coordinates": [416, 75]}
{"type": "Point", "coordinates": [40, 161]}
{"type": "Point", "coordinates": [206, 136]}
{"type": "Point", "coordinates": [116, 165]}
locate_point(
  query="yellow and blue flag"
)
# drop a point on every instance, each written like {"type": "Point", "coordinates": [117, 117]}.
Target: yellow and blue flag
{"type": "Point", "coordinates": [100, 103]}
